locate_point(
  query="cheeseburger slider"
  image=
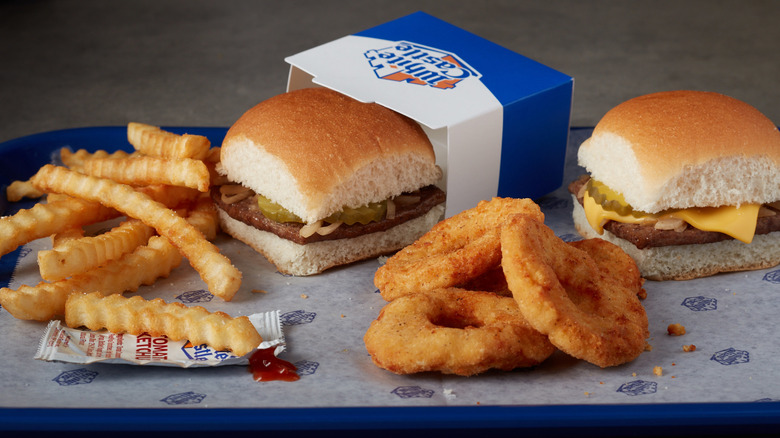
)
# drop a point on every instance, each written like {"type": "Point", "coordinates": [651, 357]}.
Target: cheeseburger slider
{"type": "Point", "coordinates": [317, 179]}
{"type": "Point", "coordinates": [686, 182]}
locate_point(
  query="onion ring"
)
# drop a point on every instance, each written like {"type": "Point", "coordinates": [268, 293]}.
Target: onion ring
{"type": "Point", "coordinates": [493, 280]}
{"type": "Point", "coordinates": [454, 251]}
{"type": "Point", "coordinates": [586, 311]}
{"type": "Point", "coordinates": [613, 261]}
{"type": "Point", "coordinates": [454, 331]}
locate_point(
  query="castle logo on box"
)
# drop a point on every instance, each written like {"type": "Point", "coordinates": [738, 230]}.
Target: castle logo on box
{"type": "Point", "coordinates": [419, 65]}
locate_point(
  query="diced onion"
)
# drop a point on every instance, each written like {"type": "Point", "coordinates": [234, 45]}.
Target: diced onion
{"type": "Point", "coordinates": [232, 189]}
{"type": "Point", "coordinates": [232, 199]}
{"type": "Point", "coordinates": [581, 191]}
{"type": "Point", "coordinates": [324, 231]}
{"type": "Point", "coordinates": [671, 224]}
{"type": "Point", "coordinates": [232, 193]}
{"type": "Point", "coordinates": [308, 230]}
{"type": "Point", "coordinates": [766, 212]}
{"type": "Point", "coordinates": [390, 212]}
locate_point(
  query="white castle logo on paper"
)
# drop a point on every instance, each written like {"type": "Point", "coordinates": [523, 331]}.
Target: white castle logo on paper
{"type": "Point", "coordinates": [419, 65]}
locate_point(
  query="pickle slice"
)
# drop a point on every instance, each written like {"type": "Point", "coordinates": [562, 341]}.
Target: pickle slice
{"type": "Point", "coordinates": [608, 198]}
{"type": "Point", "coordinates": [372, 212]}
{"type": "Point", "coordinates": [276, 212]}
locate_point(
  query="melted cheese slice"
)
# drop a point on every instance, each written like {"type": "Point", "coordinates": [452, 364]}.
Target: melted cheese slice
{"type": "Point", "coordinates": [739, 223]}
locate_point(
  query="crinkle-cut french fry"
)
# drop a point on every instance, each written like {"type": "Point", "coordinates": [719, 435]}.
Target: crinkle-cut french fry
{"type": "Point", "coordinates": [81, 255]}
{"type": "Point", "coordinates": [216, 270]}
{"type": "Point", "coordinates": [63, 237]}
{"type": "Point", "coordinates": [170, 196]}
{"type": "Point", "coordinates": [75, 160]}
{"type": "Point", "coordinates": [21, 189]}
{"type": "Point", "coordinates": [45, 219]}
{"type": "Point", "coordinates": [204, 217]}
{"type": "Point", "coordinates": [136, 315]}
{"type": "Point", "coordinates": [151, 140]}
{"type": "Point", "coordinates": [47, 300]}
{"type": "Point", "coordinates": [213, 155]}
{"type": "Point", "coordinates": [143, 171]}
{"type": "Point", "coordinates": [211, 161]}
{"type": "Point", "coordinates": [52, 197]}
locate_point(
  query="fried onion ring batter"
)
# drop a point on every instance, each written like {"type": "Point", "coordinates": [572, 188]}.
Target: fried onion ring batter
{"type": "Point", "coordinates": [613, 261]}
{"type": "Point", "coordinates": [587, 311]}
{"type": "Point", "coordinates": [454, 251]}
{"type": "Point", "coordinates": [491, 281]}
{"type": "Point", "coordinates": [454, 331]}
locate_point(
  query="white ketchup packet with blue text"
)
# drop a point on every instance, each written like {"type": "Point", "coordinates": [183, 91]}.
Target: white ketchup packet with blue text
{"type": "Point", "coordinates": [64, 344]}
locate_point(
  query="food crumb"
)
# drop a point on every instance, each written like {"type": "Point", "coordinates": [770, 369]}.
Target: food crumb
{"type": "Point", "coordinates": [448, 393]}
{"type": "Point", "coordinates": [259, 291]}
{"type": "Point", "coordinates": [689, 348]}
{"type": "Point", "coordinates": [648, 347]}
{"type": "Point", "coordinates": [642, 294]}
{"type": "Point", "coordinates": [675, 330]}
{"type": "Point", "coordinates": [304, 296]}
{"type": "Point", "coordinates": [658, 371]}
{"type": "Point", "coordinates": [343, 316]}
{"type": "Point", "coordinates": [587, 394]}
{"type": "Point", "coordinates": [633, 374]}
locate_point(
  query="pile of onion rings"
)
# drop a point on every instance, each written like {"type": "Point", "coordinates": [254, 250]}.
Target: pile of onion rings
{"type": "Point", "coordinates": [494, 288]}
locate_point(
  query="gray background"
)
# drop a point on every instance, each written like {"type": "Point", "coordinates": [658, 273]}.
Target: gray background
{"type": "Point", "coordinates": [66, 64]}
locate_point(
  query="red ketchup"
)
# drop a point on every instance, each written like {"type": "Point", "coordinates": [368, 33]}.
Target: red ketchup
{"type": "Point", "coordinates": [265, 366]}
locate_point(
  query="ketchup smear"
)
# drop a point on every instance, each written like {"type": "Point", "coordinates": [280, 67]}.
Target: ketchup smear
{"type": "Point", "coordinates": [265, 366]}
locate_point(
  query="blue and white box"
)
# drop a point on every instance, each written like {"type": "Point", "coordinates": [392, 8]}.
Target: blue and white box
{"type": "Point", "coordinates": [499, 122]}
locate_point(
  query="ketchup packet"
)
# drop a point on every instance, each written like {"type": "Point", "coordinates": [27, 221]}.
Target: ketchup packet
{"type": "Point", "coordinates": [64, 344]}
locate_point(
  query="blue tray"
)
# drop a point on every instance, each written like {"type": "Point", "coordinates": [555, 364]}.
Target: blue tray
{"type": "Point", "coordinates": [20, 158]}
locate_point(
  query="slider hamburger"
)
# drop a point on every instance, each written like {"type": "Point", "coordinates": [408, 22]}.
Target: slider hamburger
{"type": "Point", "coordinates": [315, 179]}
{"type": "Point", "coordinates": [686, 182]}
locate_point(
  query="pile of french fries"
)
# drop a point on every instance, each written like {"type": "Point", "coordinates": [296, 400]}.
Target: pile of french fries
{"type": "Point", "coordinates": [162, 190]}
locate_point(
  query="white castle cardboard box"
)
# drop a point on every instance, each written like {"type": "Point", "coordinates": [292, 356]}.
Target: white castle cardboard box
{"type": "Point", "coordinates": [499, 122]}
